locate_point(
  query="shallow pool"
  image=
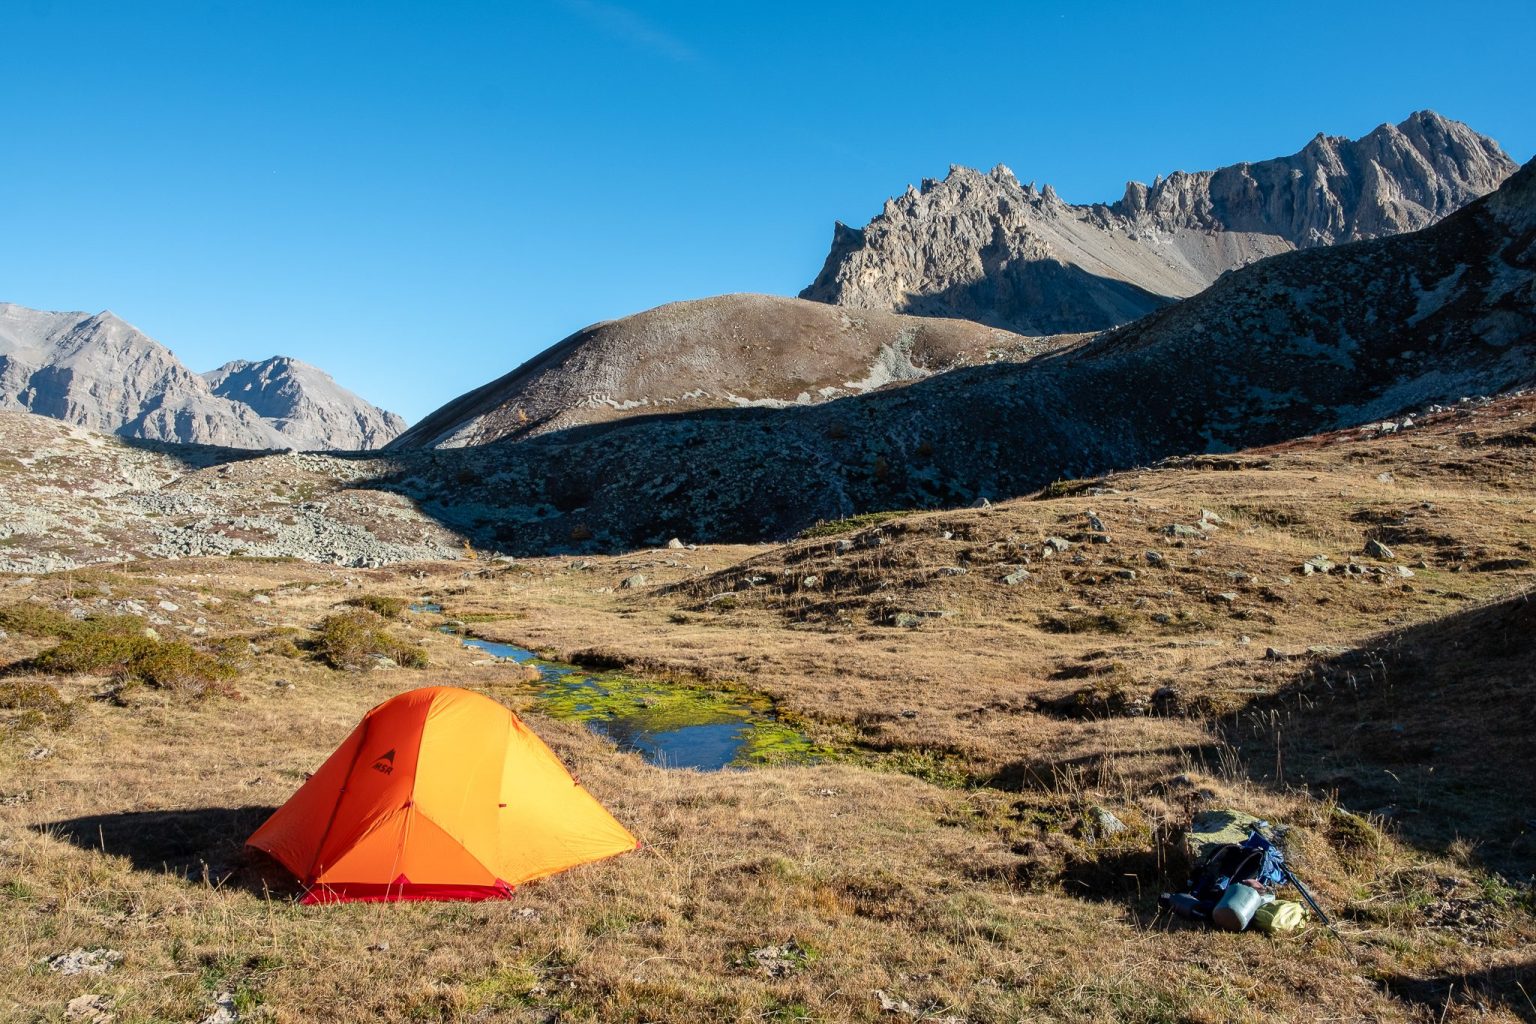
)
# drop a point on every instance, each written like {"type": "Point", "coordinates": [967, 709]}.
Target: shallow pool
{"type": "Point", "coordinates": [669, 724]}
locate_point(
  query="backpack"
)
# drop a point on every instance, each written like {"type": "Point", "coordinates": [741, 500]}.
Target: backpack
{"type": "Point", "coordinates": [1254, 859]}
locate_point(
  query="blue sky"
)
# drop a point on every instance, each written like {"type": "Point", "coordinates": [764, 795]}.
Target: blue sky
{"type": "Point", "coordinates": [418, 196]}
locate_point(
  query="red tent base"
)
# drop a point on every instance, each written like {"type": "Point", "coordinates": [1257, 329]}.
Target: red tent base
{"type": "Point", "coordinates": [403, 890]}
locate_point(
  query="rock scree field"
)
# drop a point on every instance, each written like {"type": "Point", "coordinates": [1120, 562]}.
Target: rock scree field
{"type": "Point", "coordinates": [1007, 713]}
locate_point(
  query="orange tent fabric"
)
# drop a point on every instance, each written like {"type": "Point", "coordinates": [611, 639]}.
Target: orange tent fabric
{"type": "Point", "coordinates": [438, 794]}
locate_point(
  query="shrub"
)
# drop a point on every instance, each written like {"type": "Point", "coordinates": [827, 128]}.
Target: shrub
{"type": "Point", "coordinates": [133, 658]}
{"type": "Point", "coordinates": [840, 526]}
{"type": "Point", "coordinates": [388, 607]}
{"type": "Point", "coordinates": [37, 703]}
{"type": "Point", "coordinates": [355, 639]}
{"type": "Point", "coordinates": [31, 619]}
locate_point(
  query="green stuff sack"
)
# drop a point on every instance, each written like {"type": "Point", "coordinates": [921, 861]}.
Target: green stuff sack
{"type": "Point", "coordinates": [1280, 916]}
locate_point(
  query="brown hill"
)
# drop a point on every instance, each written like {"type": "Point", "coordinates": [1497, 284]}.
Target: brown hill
{"type": "Point", "coordinates": [723, 352]}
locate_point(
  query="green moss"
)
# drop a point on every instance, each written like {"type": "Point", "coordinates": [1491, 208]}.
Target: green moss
{"type": "Point", "coordinates": [661, 706]}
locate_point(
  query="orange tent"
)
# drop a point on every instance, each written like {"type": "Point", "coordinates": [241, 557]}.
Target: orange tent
{"type": "Point", "coordinates": [438, 794]}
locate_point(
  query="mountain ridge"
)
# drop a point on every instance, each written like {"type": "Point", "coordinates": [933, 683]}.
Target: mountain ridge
{"type": "Point", "coordinates": [986, 248]}
{"type": "Point", "coordinates": [101, 372]}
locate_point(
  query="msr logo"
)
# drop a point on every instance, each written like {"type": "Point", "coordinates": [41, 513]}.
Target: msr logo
{"type": "Point", "coordinates": [385, 764]}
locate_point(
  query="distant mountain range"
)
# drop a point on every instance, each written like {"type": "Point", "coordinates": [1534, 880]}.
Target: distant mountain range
{"type": "Point", "coordinates": [101, 372]}
{"type": "Point", "coordinates": [984, 247]}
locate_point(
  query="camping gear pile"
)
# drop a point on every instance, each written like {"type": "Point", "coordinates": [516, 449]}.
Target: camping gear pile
{"type": "Point", "coordinates": [1238, 871]}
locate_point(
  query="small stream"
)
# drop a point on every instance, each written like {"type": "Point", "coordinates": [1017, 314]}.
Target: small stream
{"type": "Point", "coordinates": [669, 724]}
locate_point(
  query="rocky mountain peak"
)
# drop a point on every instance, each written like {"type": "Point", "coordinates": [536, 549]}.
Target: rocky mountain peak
{"type": "Point", "coordinates": [99, 371]}
{"type": "Point", "coordinates": [983, 247]}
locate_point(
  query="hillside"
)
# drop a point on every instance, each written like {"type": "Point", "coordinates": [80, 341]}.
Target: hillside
{"type": "Point", "coordinates": [102, 373]}
{"type": "Point", "coordinates": [722, 352]}
{"type": "Point", "coordinates": [991, 800]}
{"type": "Point", "coordinates": [986, 248]}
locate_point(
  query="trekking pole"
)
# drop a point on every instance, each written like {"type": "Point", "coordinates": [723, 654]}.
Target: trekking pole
{"type": "Point", "coordinates": [1289, 877]}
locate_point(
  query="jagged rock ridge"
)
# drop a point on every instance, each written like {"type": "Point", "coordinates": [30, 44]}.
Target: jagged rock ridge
{"type": "Point", "coordinates": [986, 248]}
{"type": "Point", "coordinates": [100, 372]}
{"type": "Point", "coordinates": [722, 352]}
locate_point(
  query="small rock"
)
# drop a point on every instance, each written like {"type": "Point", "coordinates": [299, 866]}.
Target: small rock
{"type": "Point", "coordinates": [167, 606]}
{"type": "Point", "coordinates": [1376, 549]}
{"type": "Point", "coordinates": [1385, 478]}
{"type": "Point", "coordinates": [631, 582]}
{"type": "Point", "coordinates": [1227, 597]}
{"type": "Point", "coordinates": [779, 961]}
{"type": "Point", "coordinates": [811, 582]}
{"type": "Point", "coordinates": [92, 1009]}
{"type": "Point", "coordinates": [1317, 563]}
{"type": "Point", "coordinates": [981, 503]}
{"type": "Point", "coordinates": [906, 620]}
{"type": "Point", "coordinates": [1096, 524]}
{"type": "Point", "coordinates": [1057, 543]}
{"type": "Point", "coordinates": [1098, 538]}
{"type": "Point", "coordinates": [381, 661]}
{"type": "Point", "coordinates": [1405, 572]}
{"type": "Point", "coordinates": [1105, 824]}
{"type": "Point", "coordinates": [1125, 574]}
{"type": "Point", "coordinates": [950, 570]}
{"type": "Point", "coordinates": [1180, 530]}
{"type": "Point", "coordinates": [1156, 558]}
{"type": "Point", "coordinates": [85, 961]}
{"type": "Point", "coordinates": [675, 544]}
{"type": "Point", "coordinates": [223, 1010]}
{"type": "Point", "coordinates": [1016, 577]}
{"type": "Point", "coordinates": [908, 713]}
{"type": "Point", "coordinates": [261, 599]}
{"type": "Point", "coordinates": [1207, 516]}
{"type": "Point", "coordinates": [842, 547]}
{"type": "Point", "coordinates": [39, 753]}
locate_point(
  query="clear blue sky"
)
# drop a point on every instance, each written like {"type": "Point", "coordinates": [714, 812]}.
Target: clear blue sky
{"type": "Point", "coordinates": [418, 196]}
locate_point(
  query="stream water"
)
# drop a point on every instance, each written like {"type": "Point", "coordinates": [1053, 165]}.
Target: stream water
{"type": "Point", "coordinates": [669, 724]}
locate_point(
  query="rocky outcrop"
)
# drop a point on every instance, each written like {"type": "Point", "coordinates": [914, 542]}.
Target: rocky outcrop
{"type": "Point", "coordinates": [986, 248]}
{"type": "Point", "coordinates": [723, 352]}
{"type": "Point", "coordinates": [103, 373]}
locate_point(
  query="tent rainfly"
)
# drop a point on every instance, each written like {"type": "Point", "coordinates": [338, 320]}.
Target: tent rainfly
{"type": "Point", "coordinates": [438, 794]}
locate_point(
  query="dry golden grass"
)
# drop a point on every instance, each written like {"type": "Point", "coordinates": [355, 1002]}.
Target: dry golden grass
{"type": "Point", "coordinates": [943, 859]}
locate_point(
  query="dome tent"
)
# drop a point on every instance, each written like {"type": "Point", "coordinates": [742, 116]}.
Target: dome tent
{"type": "Point", "coordinates": [438, 794]}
